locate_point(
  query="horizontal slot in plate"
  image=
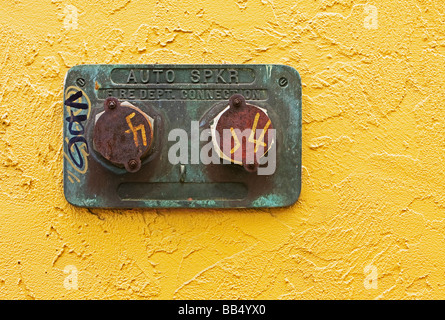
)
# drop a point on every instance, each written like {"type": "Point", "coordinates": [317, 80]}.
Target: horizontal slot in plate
{"type": "Point", "coordinates": [143, 191]}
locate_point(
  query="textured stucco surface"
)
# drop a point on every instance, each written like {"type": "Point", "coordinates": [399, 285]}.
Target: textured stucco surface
{"type": "Point", "coordinates": [372, 201]}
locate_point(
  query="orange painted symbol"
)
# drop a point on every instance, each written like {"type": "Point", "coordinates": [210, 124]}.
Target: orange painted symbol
{"type": "Point", "coordinates": [252, 135]}
{"type": "Point", "coordinates": [135, 130]}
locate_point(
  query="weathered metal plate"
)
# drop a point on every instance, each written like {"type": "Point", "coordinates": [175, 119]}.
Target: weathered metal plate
{"type": "Point", "coordinates": [181, 98]}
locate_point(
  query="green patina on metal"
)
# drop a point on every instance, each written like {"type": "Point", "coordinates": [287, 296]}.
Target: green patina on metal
{"type": "Point", "coordinates": [187, 97]}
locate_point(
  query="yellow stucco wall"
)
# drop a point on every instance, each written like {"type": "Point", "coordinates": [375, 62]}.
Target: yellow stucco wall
{"type": "Point", "coordinates": [370, 221]}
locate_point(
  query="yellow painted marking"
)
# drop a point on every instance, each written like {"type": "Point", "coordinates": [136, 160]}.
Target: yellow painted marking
{"type": "Point", "coordinates": [85, 155]}
{"type": "Point", "coordinates": [255, 123]}
{"type": "Point", "coordinates": [237, 143]}
{"type": "Point", "coordinates": [72, 90]}
{"type": "Point", "coordinates": [69, 178]}
{"type": "Point", "coordinates": [252, 135]}
{"type": "Point", "coordinates": [261, 138]}
{"type": "Point", "coordinates": [75, 177]}
{"type": "Point", "coordinates": [135, 130]}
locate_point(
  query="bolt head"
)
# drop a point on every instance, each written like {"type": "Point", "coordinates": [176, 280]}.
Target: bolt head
{"type": "Point", "coordinates": [111, 103]}
{"type": "Point", "coordinates": [237, 101]}
{"type": "Point", "coordinates": [251, 167]}
{"type": "Point", "coordinates": [132, 164]}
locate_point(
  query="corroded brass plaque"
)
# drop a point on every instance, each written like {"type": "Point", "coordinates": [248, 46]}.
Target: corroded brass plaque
{"type": "Point", "coordinates": [182, 136]}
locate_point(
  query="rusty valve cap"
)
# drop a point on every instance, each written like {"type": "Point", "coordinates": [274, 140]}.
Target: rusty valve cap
{"type": "Point", "coordinates": [237, 101]}
{"type": "Point", "coordinates": [123, 134]}
{"type": "Point", "coordinates": [241, 118]}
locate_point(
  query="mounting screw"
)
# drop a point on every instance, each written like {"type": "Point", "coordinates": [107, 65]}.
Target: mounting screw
{"type": "Point", "coordinates": [237, 101]}
{"type": "Point", "coordinates": [112, 104]}
{"type": "Point", "coordinates": [80, 82]}
{"type": "Point", "coordinates": [283, 82]}
{"type": "Point", "coordinates": [132, 164]}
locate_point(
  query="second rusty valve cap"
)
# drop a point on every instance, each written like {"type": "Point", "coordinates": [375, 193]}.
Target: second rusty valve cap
{"type": "Point", "coordinates": [241, 133]}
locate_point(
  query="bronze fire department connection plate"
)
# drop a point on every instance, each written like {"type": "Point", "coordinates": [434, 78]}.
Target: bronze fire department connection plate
{"type": "Point", "coordinates": [182, 136]}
